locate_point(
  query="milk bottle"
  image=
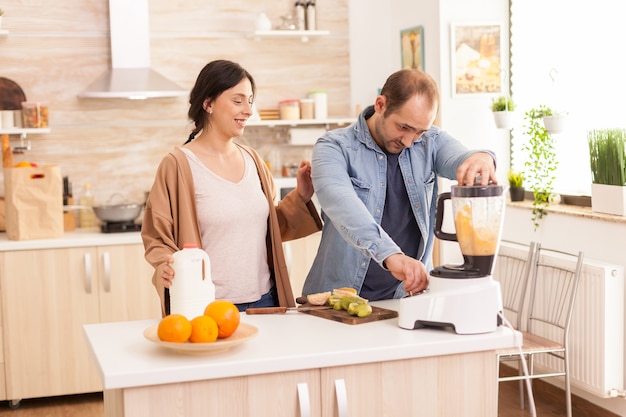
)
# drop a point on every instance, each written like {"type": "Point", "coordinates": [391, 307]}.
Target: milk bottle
{"type": "Point", "coordinates": [192, 289]}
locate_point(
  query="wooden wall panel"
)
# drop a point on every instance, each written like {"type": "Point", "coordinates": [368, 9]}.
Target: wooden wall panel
{"type": "Point", "coordinates": [116, 144]}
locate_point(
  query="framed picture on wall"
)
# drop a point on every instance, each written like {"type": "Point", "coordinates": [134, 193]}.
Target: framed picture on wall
{"type": "Point", "coordinates": [476, 58]}
{"type": "Point", "coordinates": [412, 47]}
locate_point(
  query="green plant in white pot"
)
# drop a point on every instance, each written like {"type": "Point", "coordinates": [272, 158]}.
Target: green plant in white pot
{"type": "Point", "coordinates": [554, 121]}
{"type": "Point", "coordinates": [540, 167]}
{"type": "Point", "coordinates": [503, 111]}
{"type": "Point", "coordinates": [607, 158]}
{"type": "Point", "coordinates": [516, 185]}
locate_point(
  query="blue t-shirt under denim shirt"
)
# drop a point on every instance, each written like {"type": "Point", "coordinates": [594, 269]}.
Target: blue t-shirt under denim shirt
{"type": "Point", "coordinates": [399, 223]}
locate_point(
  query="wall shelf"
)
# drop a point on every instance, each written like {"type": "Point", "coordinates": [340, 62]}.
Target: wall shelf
{"type": "Point", "coordinates": [300, 122]}
{"type": "Point", "coordinates": [24, 131]}
{"type": "Point", "coordinates": [304, 35]}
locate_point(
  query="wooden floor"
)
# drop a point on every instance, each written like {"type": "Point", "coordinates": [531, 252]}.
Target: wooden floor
{"type": "Point", "coordinates": [550, 401]}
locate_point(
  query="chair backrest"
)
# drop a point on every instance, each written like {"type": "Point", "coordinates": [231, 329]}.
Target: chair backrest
{"type": "Point", "coordinates": [512, 270]}
{"type": "Point", "coordinates": [554, 283]}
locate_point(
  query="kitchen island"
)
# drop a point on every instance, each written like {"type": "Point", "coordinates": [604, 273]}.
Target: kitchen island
{"type": "Point", "coordinates": [302, 365]}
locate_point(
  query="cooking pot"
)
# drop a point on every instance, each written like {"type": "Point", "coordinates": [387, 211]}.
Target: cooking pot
{"type": "Point", "coordinates": [122, 212]}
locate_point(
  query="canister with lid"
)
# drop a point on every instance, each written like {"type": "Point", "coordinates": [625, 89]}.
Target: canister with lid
{"type": "Point", "coordinates": [320, 101]}
{"type": "Point", "coordinates": [307, 108]}
{"type": "Point", "coordinates": [289, 109]}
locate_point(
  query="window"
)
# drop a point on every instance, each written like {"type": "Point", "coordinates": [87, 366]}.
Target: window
{"type": "Point", "coordinates": [567, 55]}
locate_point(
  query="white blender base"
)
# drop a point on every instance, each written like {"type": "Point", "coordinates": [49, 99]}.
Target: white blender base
{"type": "Point", "coordinates": [469, 305]}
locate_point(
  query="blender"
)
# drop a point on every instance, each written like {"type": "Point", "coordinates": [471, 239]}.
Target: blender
{"type": "Point", "coordinates": [464, 297]}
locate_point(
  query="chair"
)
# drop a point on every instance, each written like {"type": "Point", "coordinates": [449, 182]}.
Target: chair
{"type": "Point", "coordinates": [552, 294]}
{"type": "Point", "coordinates": [512, 271]}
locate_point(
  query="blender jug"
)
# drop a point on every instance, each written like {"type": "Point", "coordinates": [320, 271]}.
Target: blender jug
{"type": "Point", "coordinates": [478, 215]}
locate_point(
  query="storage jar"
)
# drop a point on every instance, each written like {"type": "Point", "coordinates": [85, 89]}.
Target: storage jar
{"type": "Point", "coordinates": [320, 100]}
{"type": "Point", "coordinates": [289, 109]}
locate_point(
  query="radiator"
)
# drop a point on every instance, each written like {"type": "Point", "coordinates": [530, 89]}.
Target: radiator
{"type": "Point", "coordinates": [597, 329]}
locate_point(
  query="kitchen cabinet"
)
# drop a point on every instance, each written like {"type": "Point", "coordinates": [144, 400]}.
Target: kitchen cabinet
{"type": "Point", "coordinates": [267, 395]}
{"type": "Point", "coordinates": [48, 294]}
{"type": "Point", "coordinates": [435, 386]}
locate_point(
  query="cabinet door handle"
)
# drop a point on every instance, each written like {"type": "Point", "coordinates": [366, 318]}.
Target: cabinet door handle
{"type": "Point", "coordinates": [88, 273]}
{"type": "Point", "coordinates": [106, 261]}
{"type": "Point", "coordinates": [304, 400]}
{"type": "Point", "coordinates": [342, 397]}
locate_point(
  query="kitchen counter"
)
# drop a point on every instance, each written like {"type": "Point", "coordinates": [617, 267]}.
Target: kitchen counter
{"type": "Point", "coordinates": [284, 343]}
{"type": "Point", "coordinates": [78, 238]}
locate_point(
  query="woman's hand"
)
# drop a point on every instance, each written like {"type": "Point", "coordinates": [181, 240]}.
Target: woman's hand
{"type": "Point", "coordinates": [167, 272]}
{"type": "Point", "coordinates": [304, 181]}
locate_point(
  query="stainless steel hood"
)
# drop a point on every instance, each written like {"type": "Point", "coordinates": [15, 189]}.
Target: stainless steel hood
{"type": "Point", "coordinates": [130, 75]}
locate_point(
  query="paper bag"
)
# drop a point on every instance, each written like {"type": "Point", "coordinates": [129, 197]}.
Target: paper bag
{"type": "Point", "coordinates": [34, 202]}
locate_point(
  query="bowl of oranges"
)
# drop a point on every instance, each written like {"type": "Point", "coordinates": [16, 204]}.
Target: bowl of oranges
{"type": "Point", "coordinates": [217, 330]}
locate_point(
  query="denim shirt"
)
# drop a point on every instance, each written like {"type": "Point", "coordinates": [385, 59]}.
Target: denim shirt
{"type": "Point", "coordinates": [350, 180]}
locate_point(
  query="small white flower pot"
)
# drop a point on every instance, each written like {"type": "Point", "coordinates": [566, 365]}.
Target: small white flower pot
{"type": "Point", "coordinates": [555, 124]}
{"type": "Point", "coordinates": [610, 199]}
{"type": "Point", "coordinates": [504, 119]}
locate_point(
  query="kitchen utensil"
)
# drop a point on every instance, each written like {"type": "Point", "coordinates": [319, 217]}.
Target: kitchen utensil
{"type": "Point", "coordinates": [11, 95]}
{"type": "Point", "coordinates": [123, 212]}
{"type": "Point", "coordinates": [282, 310]}
{"type": "Point", "coordinates": [464, 297]}
{"type": "Point", "coordinates": [342, 316]}
{"type": "Point", "coordinates": [243, 333]}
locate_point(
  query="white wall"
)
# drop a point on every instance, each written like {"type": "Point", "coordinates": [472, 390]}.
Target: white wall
{"type": "Point", "coordinates": [375, 54]}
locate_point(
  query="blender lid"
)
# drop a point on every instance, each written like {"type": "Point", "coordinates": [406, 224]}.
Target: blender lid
{"type": "Point", "coordinates": [491, 190]}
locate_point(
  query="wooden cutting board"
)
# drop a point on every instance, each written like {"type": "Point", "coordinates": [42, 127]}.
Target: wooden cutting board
{"type": "Point", "coordinates": [342, 316]}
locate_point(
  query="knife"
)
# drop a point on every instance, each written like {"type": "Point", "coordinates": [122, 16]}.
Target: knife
{"type": "Point", "coordinates": [282, 310]}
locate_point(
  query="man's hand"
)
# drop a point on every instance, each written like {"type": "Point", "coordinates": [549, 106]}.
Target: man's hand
{"type": "Point", "coordinates": [480, 163]}
{"type": "Point", "coordinates": [409, 270]}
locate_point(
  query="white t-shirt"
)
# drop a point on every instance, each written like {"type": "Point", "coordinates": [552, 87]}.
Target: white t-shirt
{"type": "Point", "coordinates": [233, 225]}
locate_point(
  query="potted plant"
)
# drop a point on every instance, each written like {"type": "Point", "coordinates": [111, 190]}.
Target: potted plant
{"type": "Point", "coordinates": [502, 108]}
{"type": "Point", "coordinates": [516, 185]}
{"type": "Point", "coordinates": [607, 157]}
{"type": "Point", "coordinates": [554, 121]}
{"type": "Point", "coordinates": [541, 164]}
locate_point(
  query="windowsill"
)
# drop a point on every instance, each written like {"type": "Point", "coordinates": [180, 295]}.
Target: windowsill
{"type": "Point", "coordinates": [571, 210]}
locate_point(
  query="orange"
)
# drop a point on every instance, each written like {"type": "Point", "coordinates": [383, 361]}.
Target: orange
{"type": "Point", "coordinates": [23, 164]}
{"type": "Point", "coordinates": [174, 328]}
{"type": "Point", "coordinates": [203, 330]}
{"type": "Point", "coordinates": [225, 314]}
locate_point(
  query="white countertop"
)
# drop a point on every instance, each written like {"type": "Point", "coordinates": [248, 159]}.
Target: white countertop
{"type": "Point", "coordinates": [78, 238]}
{"type": "Point", "coordinates": [285, 342]}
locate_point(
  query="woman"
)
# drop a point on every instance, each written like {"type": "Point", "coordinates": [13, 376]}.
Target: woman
{"type": "Point", "coordinates": [220, 195]}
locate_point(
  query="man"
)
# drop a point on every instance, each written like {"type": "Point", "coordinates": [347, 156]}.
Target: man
{"type": "Point", "coordinates": [376, 182]}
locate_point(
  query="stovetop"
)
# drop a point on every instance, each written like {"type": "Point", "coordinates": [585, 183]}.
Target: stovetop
{"type": "Point", "coordinates": [119, 227]}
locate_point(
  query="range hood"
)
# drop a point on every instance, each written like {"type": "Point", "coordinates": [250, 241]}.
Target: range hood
{"type": "Point", "coordinates": [130, 75]}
